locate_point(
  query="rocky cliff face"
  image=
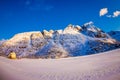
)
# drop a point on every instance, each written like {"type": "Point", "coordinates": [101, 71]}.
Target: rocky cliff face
{"type": "Point", "coordinates": [74, 40]}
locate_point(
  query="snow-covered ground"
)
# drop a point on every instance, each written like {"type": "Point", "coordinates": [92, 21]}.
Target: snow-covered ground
{"type": "Point", "coordinates": [103, 66]}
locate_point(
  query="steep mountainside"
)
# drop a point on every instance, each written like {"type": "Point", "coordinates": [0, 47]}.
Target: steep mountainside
{"type": "Point", "coordinates": [74, 40]}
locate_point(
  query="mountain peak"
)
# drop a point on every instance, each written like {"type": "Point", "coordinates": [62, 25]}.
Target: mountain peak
{"type": "Point", "coordinates": [88, 23]}
{"type": "Point", "coordinates": [72, 29]}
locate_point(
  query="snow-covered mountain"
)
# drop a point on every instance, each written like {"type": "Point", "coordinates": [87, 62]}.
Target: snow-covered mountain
{"type": "Point", "coordinates": [74, 40]}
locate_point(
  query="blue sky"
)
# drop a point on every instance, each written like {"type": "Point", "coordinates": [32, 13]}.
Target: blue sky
{"type": "Point", "coordinates": [18, 16]}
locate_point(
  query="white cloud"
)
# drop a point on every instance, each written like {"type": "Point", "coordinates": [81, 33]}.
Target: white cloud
{"type": "Point", "coordinates": [109, 16]}
{"type": "Point", "coordinates": [103, 11]}
{"type": "Point", "coordinates": [116, 13]}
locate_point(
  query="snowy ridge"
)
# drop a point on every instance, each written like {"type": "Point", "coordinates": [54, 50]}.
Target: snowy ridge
{"type": "Point", "coordinates": [74, 40]}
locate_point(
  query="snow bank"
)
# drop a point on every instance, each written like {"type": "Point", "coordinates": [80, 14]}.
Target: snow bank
{"type": "Point", "coordinates": [103, 66]}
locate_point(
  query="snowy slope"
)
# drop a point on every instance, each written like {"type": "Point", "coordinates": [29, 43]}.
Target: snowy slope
{"type": "Point", "coordinates": [90, 30]}
{"type": "Point", "coordinates": [103, 66]}
{"type": "Point", "coordinates": [74, 40]}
